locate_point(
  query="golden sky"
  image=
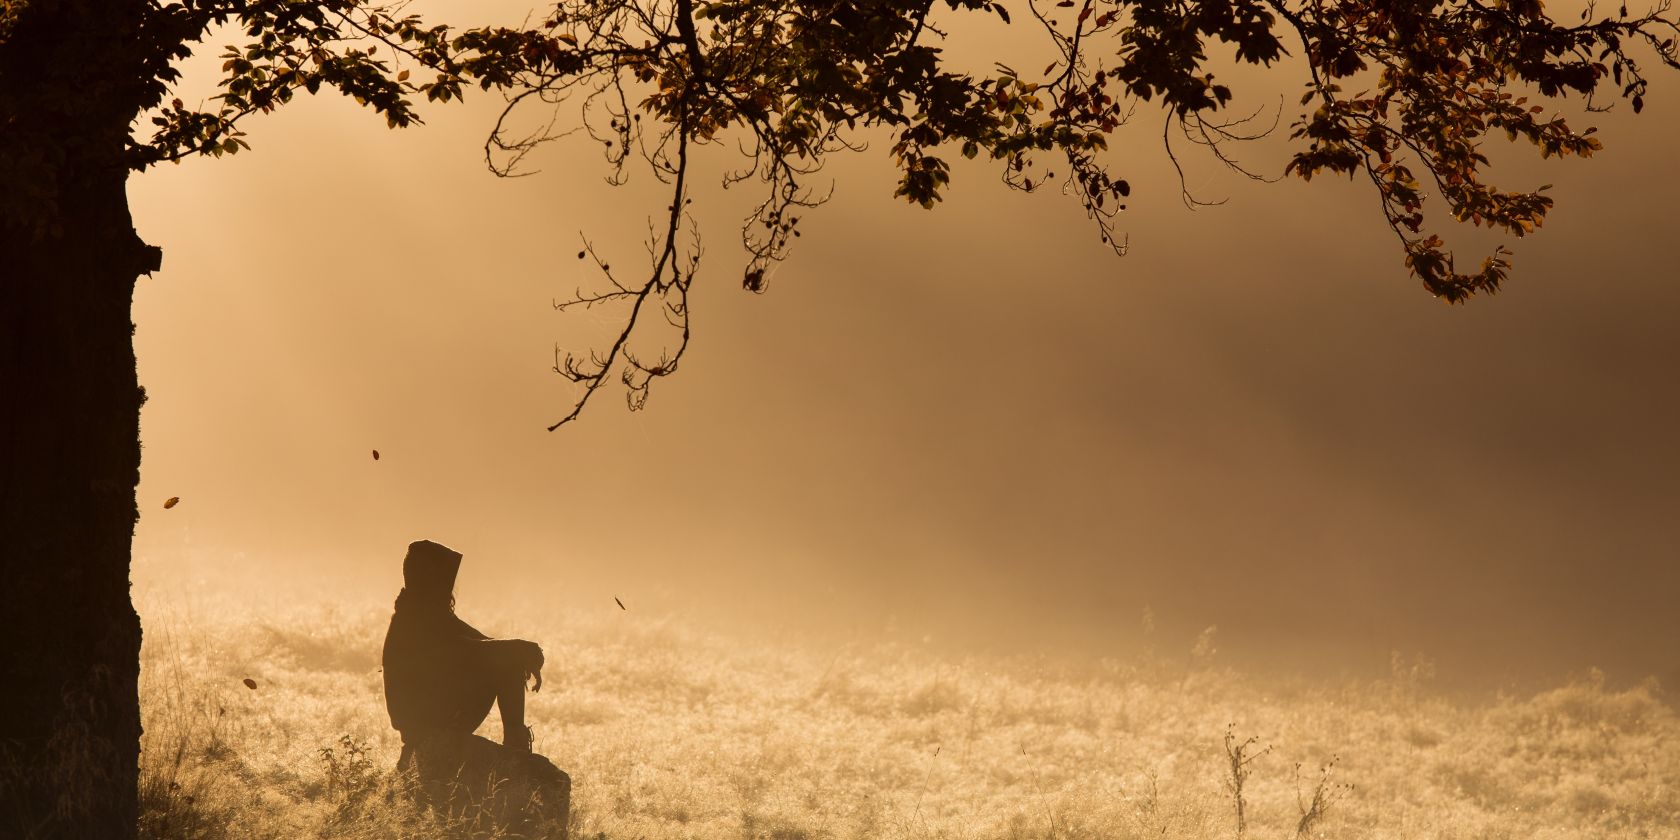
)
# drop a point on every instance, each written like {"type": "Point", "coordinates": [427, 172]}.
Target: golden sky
{"type": "Point", "coordinates": [975, 424]}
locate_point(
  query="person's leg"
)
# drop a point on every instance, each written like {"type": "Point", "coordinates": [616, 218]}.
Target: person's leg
{"type": "Point", "coordinates": [510, 700]}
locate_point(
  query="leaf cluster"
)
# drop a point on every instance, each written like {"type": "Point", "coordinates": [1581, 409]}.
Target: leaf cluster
{"type": "Point", "coordinates": [1408, 93]}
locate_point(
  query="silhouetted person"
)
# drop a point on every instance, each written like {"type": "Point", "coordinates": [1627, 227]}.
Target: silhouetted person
{"type": "Point", "coordinates": [441, 678]}
{"type": "Point", "coordinates": [441, 674]}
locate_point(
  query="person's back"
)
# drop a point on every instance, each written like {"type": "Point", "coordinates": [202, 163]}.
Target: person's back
{"type": "Point", "coordinates": [435, 677]}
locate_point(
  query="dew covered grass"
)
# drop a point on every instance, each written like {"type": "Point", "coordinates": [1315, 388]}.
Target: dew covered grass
{"type": "Point", "coordinates": [671, 732]}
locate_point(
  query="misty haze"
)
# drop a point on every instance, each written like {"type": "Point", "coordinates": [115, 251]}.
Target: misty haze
{"type": "Point", "coordinates": [907, 553]}
{"type": "Point", "coordinates": [969, 527]}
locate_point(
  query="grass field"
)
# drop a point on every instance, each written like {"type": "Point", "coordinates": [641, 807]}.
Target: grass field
{"type": "Point", "coordinates": [672, 733]}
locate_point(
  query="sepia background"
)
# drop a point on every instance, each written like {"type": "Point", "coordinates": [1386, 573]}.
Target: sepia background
{"type": "Point", "coordinates": [974, 428]}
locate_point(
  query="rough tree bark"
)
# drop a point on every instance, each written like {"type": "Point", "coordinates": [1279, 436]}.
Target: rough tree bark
{"type": "Point", "coordinates": [69, 421]}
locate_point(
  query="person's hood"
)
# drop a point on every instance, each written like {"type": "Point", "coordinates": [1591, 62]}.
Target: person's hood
{"type": "Point", "coordinates": [430, 568]}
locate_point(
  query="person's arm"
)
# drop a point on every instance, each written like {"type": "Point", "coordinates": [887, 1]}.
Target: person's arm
{"type": "Point", "coordinates": [465, 630]}
{"type": "Point", "coordinates": [503, 655]}
{"type": "Point", "coordinates": [520, 655]}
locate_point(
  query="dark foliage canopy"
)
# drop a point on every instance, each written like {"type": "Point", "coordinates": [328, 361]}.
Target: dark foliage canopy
{"type": "Point", "coordinates": [1402, 93]}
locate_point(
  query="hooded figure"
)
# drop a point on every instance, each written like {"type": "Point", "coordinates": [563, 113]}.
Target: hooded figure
{"type": "Point", "coordinates": [441, 678]}
{"type": "Point", "coordinates": [442, 674]}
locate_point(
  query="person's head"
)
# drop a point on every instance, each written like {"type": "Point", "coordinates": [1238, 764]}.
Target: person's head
{"type": "Point", "coordinates": [429, 571]}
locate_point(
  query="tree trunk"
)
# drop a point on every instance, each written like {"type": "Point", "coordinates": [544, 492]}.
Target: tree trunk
{"type": "Point", "coordinates": [69, 423]}
{"type": "Point", "coordinates": [69, 461]}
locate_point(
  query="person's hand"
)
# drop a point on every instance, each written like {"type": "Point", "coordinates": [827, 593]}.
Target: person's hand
{"type": "Point", "coordinates": [529, 656]}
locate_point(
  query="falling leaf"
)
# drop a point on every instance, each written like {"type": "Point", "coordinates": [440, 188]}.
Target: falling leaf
{"type": "Point", "coordinates": [250, 683]}
{"type": "Point", "coordinates": [619, 603]}
{"type": "Point", "coordinates": [375, 454]}
{"type": "Point", "coordinates": [173, 501]}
